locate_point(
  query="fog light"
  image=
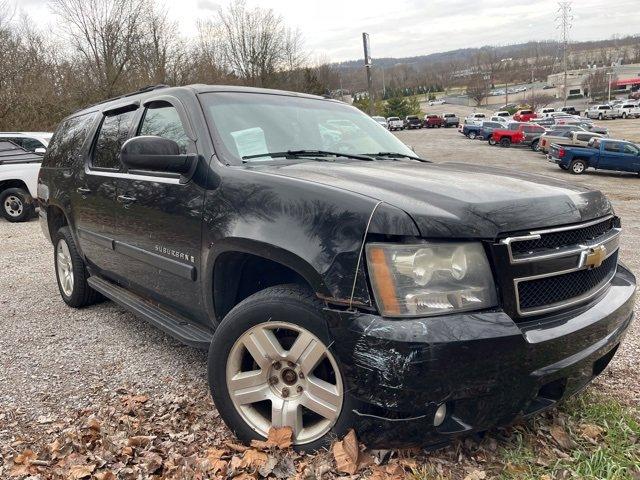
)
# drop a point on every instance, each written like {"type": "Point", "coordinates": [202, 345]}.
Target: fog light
{"type": "Point", "coordinates": [440, 415]}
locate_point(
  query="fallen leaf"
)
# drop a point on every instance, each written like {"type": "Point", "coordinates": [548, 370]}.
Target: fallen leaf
{"type": "Point", "coordinates": [152, 461]}
{"type": "Point", "coordinates": [561, 437]}
{"type": "Point", "coordinates": [388, 472]}
{"type": "Point", "coordinates": [346, 453]}
{"type": "Point", "coordinates": [478, 475]}
{"type": "Point", "coordinates": [105, 476]}
{"type": "Point", "coordinates": [237, 448]}
{"type": "Point", "coordinates": [253, 459]}
{"type": "Point", "coordinates": [591, 432]}
{"type": "Point", "coordinates": [25, 457]}
{"type": "Point", "coordinates": [140, 441]}
{"type": "Point", "coordinates": [94, 424]}
{"type": "Point", "coordinates": [81, 471]}
{"type": "Point", "coordinates": [277, 438]}
{"type": "Point", "coordinates": [266, 469]}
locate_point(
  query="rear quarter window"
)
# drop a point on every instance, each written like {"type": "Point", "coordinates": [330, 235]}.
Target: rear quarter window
{"type": "Point", "coordinates": [67, 142]}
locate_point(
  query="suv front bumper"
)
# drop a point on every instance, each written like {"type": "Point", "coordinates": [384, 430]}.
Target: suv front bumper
{"type": "Point", "coordinates": [488, 370]}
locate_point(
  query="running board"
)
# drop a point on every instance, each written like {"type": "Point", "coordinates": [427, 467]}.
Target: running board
{"type": "Point", "coordinates": [176, 326]}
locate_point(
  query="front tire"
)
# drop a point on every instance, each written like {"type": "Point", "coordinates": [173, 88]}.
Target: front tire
{"type": "Point", "coordinates": [472, 135]}
{"type": "Point", "coordinates": [492, 141]}
{"type": "Point", "coordinates": [71, 272]}
{"type": "Point", "coordinates": [505, 142]}
{"type": "Point", "coordinates": [16, 205]}
{"type": "Point", "coordinates": [271, 365]}
{"type": "Point", "coordinates": [578, 167]}
{"type": "Point", "coordinates": [535, 145]}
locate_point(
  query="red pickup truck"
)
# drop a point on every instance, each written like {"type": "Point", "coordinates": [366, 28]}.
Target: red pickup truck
{"type": "Point", "coordinates": [433, 121]}
{"type": "Point", "coordinates": [524, 115]}
{"type": "Point", "coordinates": [518, 133]}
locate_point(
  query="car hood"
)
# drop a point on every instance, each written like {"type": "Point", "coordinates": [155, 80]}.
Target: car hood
{"type": "Point", "coordinates": [458, 200]}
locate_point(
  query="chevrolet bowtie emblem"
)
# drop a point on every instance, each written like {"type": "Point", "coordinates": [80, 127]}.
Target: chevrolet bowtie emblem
{"type": "Point", "coordinates": [596, 256]}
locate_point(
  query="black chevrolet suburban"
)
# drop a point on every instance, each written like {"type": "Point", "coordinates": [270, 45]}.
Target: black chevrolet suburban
{"type": "Point", "coordinates": [336, 279]}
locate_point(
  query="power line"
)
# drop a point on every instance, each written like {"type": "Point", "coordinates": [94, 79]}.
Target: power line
{"type": "Point", "coordinates": [564, 20]}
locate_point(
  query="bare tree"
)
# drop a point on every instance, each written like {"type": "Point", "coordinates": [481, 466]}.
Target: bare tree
{"type": "Point", "coordinates": [105, 33]}
{"type": "Point", "coordinates": [596, 84]}
{"type": "Point", "coordinates": [478, 87]}
{"type": "Point", "coordinates": [256, 44]}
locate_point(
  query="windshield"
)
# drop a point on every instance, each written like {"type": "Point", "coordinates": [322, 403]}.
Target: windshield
{"type": "Point", "coordinates": [250, 124]}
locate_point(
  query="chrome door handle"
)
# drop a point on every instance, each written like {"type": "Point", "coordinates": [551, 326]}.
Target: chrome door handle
{"type": "Point", "coordinates": [84, 191]}
{"type": "Point", "coordinates": [126, 200]}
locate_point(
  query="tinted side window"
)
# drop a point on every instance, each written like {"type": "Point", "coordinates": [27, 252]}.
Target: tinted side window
{"type": "Point", "coordinates": [31, 144]}
{"type": "Point", "coordinates": [67, 141]}
{"type": "Point", "coordinates": [612, 147]}
{"type": "Point", "coordinates": [630, 149]}
{"type": "Point", "coordinates": [164, 121]}
{"type": "Point", "coordinates": [113, 133]}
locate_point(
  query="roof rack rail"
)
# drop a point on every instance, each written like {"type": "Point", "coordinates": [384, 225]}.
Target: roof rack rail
{"type": "Point", "coordinates": [148, 88]}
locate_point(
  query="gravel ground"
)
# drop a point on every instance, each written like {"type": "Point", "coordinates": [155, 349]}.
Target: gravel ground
{"type": "Point", "coordinates": [55, 359]}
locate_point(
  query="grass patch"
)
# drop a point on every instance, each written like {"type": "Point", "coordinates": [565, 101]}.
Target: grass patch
{"type": "Point", "coordinates": [591, 437]}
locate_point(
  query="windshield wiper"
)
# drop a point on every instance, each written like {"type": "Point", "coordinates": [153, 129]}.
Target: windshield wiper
{"type": "Point", "coordinates": [307, 153]}
{"type": "Point", "coordinates": [395, 155]}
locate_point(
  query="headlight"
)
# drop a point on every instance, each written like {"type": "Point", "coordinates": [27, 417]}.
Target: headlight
{"type": "Point", "coordinates": [430, 278]}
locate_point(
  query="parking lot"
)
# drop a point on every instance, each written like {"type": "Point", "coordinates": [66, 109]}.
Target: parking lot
{"type": "Point", "coordinates": [58, 360]}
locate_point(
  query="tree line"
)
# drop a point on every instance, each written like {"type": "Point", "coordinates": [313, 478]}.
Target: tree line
{"type": "Point", "coordinates": [112, 47]}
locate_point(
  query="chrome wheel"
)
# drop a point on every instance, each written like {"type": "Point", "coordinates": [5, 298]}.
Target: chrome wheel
{"type": "Point", "coordinates": [577, 167]}
{"type": "Point", "coordinates": [65, 267]}
{"type": "Point", "coordinates": [280, 374]}
{"type": "Point", "coordinates": [13, 206]}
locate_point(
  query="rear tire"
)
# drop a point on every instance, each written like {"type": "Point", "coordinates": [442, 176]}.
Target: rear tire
{"type": "Point", "coordinates": [16, 204]}
{"type": "Point", "coordinates": [71, 272]}
{"type": "Point", "coordinates": [275, 319]}
{"type": "Point", "coordinates": [473, 135]}
{"type": "Point", "coordinates": [578, 167]}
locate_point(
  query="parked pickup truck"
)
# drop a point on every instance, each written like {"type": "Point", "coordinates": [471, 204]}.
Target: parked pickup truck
{"type": "Point", "coordinates": [524, 115]}
{"type": "Point", "coordinates": [450, 120]}
{"type": "Point", "coordinates": [518, 134]}
{"type": "Point", "coordinates": [571, 110]}
{"type": "Point", "coordinates": [19, 170]}
{"type": "Point", "coordinates": [600, 154]}
{"type": "Point", "coordinates": [412, 121]}
{"type": "Point", "coordinates": [433, 121]}
{"type": "Point", "coordinates": [337, 283]}
{"type": "Point", "coordinates": [471, 130]}
{"type": "Point", "coordinates": [488, 128]}
{"type": "Point", "coordinates": [395, 123]}
{"type": "Point", "coordinates": [475, 119]}
{"type": "Point", "coordinates": [627, 110]}
{"type": "Point", "coordinates": [578, 138]}
{"type": "Point", "coordinates": [602, 112]}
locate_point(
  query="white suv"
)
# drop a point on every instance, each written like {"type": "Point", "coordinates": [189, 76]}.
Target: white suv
{"type": "Point", "coordinates": [18, 181]}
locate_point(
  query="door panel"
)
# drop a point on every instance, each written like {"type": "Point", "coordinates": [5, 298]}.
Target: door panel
{"type": "Point", "coordinates": [159, 222]}
{"type": "Point", "coordinates": [94, 198]}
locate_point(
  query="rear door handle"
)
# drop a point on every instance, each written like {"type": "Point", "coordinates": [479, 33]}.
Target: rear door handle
{"type": "Point", "coordinates": [83, 190]}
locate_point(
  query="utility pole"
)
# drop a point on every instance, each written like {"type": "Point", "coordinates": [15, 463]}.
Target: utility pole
{"type": "Point", "coordinates": [367, 67]}
{"type": "Point", "coordinates": [563, 22]}
{"type": "Point", "coordinates": [609, 82]}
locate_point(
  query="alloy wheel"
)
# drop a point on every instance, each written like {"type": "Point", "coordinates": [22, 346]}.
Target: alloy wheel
{"type": "Point", "coordinates": [578, 167]}
{"type": "Point", "coordinates": [65, 267]}
{"type": "Point", "coordinates": [280, 374]}
{"type": "Point", "coordinates": [13, 206]}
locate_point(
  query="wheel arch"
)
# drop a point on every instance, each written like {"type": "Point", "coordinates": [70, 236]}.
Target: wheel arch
{"type": "Point", "coordinates": [239, 268]}
{"type": "Point", "coordinates": [14, 183]}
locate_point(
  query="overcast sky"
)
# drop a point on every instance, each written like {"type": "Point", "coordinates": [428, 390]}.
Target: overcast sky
{"type": "Point", "coordinates": [401, 28]}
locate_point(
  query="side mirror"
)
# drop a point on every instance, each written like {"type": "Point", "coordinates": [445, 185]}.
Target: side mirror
{"type": "Point", "coordinates": [156, 154]}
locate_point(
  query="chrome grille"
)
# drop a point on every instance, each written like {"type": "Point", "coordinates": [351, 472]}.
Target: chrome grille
{"type": "Point", "coordinates": [559, 289]}
{"type": "Point", "coordinates": [554, 269]}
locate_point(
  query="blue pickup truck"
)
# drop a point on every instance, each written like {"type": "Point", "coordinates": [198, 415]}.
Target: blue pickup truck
{"type": "Point", "coordinates": [483, 132]}
{"type": "Point", "coordinates": [601, 154]}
